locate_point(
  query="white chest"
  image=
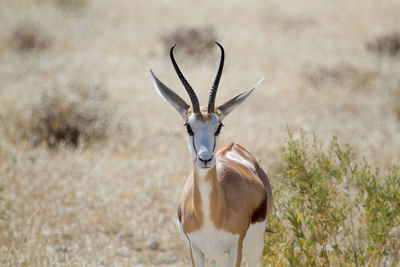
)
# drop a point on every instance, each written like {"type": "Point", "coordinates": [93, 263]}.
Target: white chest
{"type": "Point", "coordinates": [213, 242]}
{"type": "Point", "coordinates": [210, 240]}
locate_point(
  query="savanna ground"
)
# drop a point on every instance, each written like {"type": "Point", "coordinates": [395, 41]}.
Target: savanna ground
{"type": "Point", "coordinates": [92, 161]}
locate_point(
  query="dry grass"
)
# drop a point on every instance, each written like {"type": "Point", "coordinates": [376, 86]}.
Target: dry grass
{"type": "Point", "coordinates": [194, 41]}
{"type": "Point", "coordinates": [340, 76]}
{"type": "Point", "coordinates": [72, 5]}
{"type": "Point", "coordinates": [114, 202]}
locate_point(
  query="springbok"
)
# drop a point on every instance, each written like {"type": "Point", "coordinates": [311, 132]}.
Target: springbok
{"type": "Point", "coordinates": [225, 203]}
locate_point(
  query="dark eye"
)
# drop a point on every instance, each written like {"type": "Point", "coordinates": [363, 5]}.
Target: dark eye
{"type": "Point", "coordinates": [189, 129]}
{"type": "Point", "coordinates": [219, 129]}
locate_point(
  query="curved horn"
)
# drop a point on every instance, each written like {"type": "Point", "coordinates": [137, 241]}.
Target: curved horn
{"type": "Point", "coordinates": [189, 89]}
{"type": "Point", "coordinates": [213, 92]}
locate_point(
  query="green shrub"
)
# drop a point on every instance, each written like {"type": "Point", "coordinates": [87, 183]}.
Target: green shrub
{"type": "Point", "coordinates": [330, 211]}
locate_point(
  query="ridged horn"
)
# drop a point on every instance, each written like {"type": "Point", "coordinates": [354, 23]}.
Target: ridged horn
{"type": "Point", "coordinates": [189, 89]}
{"type": "Point", "coordinates": [214, 87]}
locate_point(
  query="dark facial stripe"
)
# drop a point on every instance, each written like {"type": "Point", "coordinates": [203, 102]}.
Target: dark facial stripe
{"type": "Point", "coordinates": [194, 146]}
{"type": "Point", "coordinates": [215, 143]}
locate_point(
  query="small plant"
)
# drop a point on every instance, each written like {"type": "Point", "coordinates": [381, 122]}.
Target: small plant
{"type": "Point", "coordinates": [191, 40]}
{"type": "Point", "coordinates": [28, 36]}
{"type": "Point", "coordinates": [4, 206]}
{"type": "Point", "coordinates": [387, 44]}
{"type": "Point", "coordinates": [330, 211]}
{"type": "Point", "coordinates": [80, 114]}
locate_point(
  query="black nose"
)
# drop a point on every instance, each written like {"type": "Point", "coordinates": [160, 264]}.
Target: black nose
{"type": "Point", "coordinates": [205, 160]}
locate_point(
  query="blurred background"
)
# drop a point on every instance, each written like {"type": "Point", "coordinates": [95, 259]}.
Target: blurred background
{"type": "Point", "coordinates": [92, 160]}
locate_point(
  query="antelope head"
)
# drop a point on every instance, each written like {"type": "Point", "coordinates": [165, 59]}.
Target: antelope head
{"type": "Point", "coordinates": [204, 124]}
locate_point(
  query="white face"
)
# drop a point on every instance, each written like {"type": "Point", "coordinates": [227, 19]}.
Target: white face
{"type": "Point", "coordinates": [202, 138]}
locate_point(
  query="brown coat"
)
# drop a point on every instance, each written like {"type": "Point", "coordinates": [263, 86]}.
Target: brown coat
{"type": "Point", "coordinates": [240, 194]}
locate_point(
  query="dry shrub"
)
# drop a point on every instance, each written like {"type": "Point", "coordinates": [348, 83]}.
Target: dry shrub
{"type": "Point", "coordinates": [191, 41]}
{"type": "Point", "coordinates": [343, 75]}
{"type": "Point", "coordinates": [28, 36]}
{"type": "Point", "coordinates": [387, 44]}
{"type": "Point", "coordinates": [73, 117]}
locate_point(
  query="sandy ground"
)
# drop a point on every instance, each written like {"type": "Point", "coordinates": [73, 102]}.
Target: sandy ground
{"type": "Point", "coordinates": [113, 202]}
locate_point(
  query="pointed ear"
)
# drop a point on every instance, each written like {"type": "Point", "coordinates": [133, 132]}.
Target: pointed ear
{"type": "Point", "coordinates": [176, 101]}
{"type": "Point", "coordinates": [230, 105]}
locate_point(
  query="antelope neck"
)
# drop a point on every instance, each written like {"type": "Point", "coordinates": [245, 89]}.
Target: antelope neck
{"type": "Point", "coordinates": [210, 194]}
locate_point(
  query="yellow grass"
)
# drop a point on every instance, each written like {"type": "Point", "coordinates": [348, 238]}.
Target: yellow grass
{"type": "Point", "coordinates": [113, 202]}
